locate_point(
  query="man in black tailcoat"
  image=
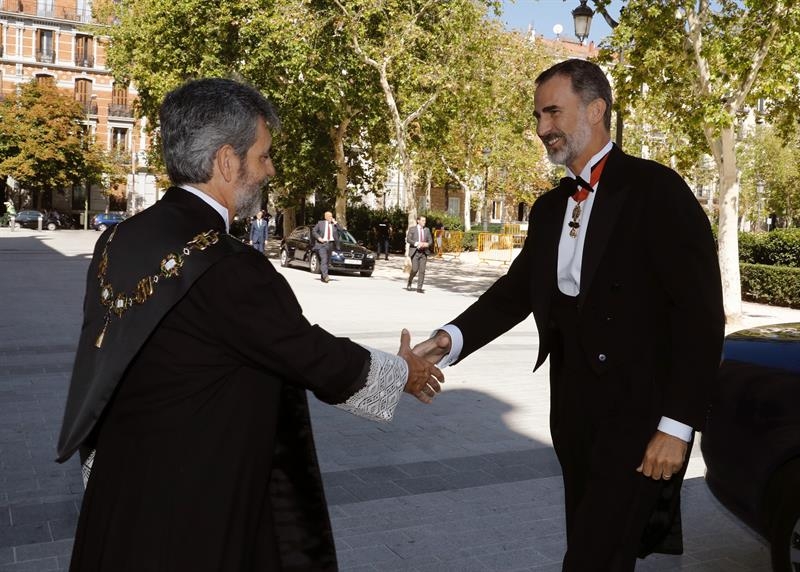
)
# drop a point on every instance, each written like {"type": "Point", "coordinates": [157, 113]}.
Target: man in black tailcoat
{"type": "Point", "coordinates": [620, 272]}
{"type": "Point", "coordinates": [192, 417]}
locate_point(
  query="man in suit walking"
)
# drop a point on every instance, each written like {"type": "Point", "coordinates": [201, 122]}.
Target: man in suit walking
{"type": "Point", "coordinates": [194, 414]}
{"type": "Point", "coordinates": [326, 238]}
{"type": "Point", "coordinates": [259, 232]}
{"type": "Point", "coordinates": [620, 272]}
{"type": "Point", "coordinates": [419, 243]}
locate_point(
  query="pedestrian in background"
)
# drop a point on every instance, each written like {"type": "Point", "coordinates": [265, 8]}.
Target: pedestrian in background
{"type": "Point", "coordinates": [419, 246]}
{"type": "Point", "coordinates": [383, 235]}
{"type": "Point", "coordinates": [259, 232]}
{"type": "Point", "coordinates": [326, 238]}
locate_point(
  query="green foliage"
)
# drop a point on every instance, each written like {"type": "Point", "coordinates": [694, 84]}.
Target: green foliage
{"type": "Point", "coordinates": [42, 142]}
{"type": "Point", "coordinates": [435, 218]}
{"type": "Point", "coordinates": [777, 285]}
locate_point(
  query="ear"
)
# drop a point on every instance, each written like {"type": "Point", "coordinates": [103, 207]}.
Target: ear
{"type": "Point", "coordinates": [597, 109]}
{"type": "Point", "coordinates": [226, 163]}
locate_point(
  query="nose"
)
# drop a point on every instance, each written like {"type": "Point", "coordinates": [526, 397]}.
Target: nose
{"type": "Point", "coordinates": [269, 168]}
{"type": "Point", "coordinates": [542, 127]}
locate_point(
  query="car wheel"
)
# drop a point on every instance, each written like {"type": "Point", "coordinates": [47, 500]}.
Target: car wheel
{"type": "Point", "coordinates": [784, 535]}
{"type": "Point", "coordinates": [284, 258]}
{"type": "Point", "coordinates": [51, 226]}
{"type": "Point", "coordinates": [313, 264]}
{"type": "Point", "coordinates": [366, 273]}
{"type": "Point", "coordinates": [101, 227]}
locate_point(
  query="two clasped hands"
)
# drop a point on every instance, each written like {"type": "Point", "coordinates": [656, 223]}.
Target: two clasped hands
{"type": "Point", "coordinates": [663, 457]}
{"type": "Point", "coordinates": [424, 378]}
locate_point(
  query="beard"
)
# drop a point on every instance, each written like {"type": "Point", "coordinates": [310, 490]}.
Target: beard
{"type": "Point", "coordinates": [248, 198]}
{"type": "Point", "coordinates": [572, 144]}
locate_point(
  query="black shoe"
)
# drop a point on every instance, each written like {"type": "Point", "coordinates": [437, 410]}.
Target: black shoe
{"type": "Point", "coordinates": [420, 291]}
{"type": "Point", "coordinates": [408, 288]}
{"type": "Point", "coordinates": [325, 279]}
{"type": "Point", "coordinates": [387, 258]}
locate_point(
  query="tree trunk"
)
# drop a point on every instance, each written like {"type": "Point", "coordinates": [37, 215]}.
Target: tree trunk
{"type": "Point", "coordinates": [342, 170]}
{"type": "Point", "coordinates": [725, 154]}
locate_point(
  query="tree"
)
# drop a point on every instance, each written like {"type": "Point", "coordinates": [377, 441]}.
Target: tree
{"type": "Point", "coordinates": [770, 165]}
{"type": "Point", "coordinates": [42, 141]}
{"type": "Point", "coordinates": [414, 49]}
{"type": "Point", "coordinates": [484, 123]}
{"type": "Point", "coordinates": [286, 49]}
{"type": "Point", "coordinates": [705, 63]}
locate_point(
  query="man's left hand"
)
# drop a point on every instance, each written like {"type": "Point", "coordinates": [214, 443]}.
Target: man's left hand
{"type": "Point", "coordinates": [424, 378]}
{"type": "Point", "coordinates": [663, 457]}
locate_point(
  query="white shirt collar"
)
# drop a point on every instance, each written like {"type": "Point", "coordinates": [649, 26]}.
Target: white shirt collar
{"type": "Point", "coordinates": [587, 169]}
{"type": "Point", "coordinates": [223, 212]}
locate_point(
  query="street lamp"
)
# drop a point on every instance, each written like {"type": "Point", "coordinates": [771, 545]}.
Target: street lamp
{"type": "Point", "coordinates": [760, 197]}
{"type": "Point", "coordinates": [486, 152]}
{"type": "Point", "coordinates": [582, 19]}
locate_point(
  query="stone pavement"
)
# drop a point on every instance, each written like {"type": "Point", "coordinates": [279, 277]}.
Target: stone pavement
{"type": "Point", "coordinates": [469, 482]}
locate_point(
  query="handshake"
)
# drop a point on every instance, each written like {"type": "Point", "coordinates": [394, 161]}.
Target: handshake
{"type": "Point", "coordinates": [424, 378]}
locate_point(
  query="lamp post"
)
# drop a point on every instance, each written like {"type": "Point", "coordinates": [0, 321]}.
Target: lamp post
{"type": "Point", "coordinates": [760, 197]}
{"type": "Point", "coordinates": [486, 152]}
{"type": "Point", "coordinates": [582, 20]}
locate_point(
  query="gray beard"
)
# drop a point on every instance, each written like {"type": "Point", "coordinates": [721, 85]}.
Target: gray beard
{"type": "Point", "coordinates": [574, 146]}
{"type": "Point", "coordinates": [248, 203]}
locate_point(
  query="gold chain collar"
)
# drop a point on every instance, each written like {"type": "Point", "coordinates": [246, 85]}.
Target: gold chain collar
{"type": "Point", "coordinates": [169, 268]}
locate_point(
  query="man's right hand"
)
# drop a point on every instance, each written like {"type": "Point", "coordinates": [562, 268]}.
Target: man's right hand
{"type": "Point", "coordinates": [435, 348]}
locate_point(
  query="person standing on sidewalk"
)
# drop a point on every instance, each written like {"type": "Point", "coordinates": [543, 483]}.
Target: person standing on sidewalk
{"type": "Point", "coordinates": [383, 233]}
{"type": "Point", "coordinates": [620, 272]}
{"type": "Point", "coordinates": [193, 415]}
{"type": "Point", "coordinates": [259, 232]}
{"type": "Point", "coordinates": [326, 238]}
{"type": "Point", "coordinates": [419, 244]}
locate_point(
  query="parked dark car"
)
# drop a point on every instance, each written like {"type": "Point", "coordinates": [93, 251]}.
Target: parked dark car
{"type": "Point", "coordinates": [103, 221]}
{"type": "Point", "coordinates": [751, 444]}
{"type": "Point", "coordinates": [352, 257]}
{"type": "Point", "coordinates": [30, 219]}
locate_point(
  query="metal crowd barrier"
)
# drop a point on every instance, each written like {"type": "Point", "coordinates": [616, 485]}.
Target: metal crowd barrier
{"type": "Point", "coordinates": [495, 247]}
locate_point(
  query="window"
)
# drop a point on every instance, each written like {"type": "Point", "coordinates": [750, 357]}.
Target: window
{"type": "Point", "coordinates": [119, 101]}
{"type": "Point", "coordinates": [42, 79]}
{"type": "Point", "coordinates": [84, 52]}
{"type": "Point", "coordinates": [45, 8]}
{"type": "Point", "coordinates": [119, 139]}
{"type": "Point", "coordinates": [84, 10]}
{"type": "Point", "coordinates": [83, 94]}
{"type": "Point", "coordinates": [45, 51]}
{"type": "Point", "coordinates": [454, 206]}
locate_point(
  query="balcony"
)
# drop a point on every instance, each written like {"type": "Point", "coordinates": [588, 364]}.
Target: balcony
{"type": "Point", "coordinates": [32, 8]}
{"type": "Point", "coordinates": [120, 110]}
{"type": "Point", "coordinates": [84, 61]}
{"type": "Point", "coordinates": [45, 56]}
{"type": "Point", "coordinates": [89, 107]}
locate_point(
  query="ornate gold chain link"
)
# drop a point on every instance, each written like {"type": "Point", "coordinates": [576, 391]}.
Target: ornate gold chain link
{"type": "Point", "coordinates": [170, 267]}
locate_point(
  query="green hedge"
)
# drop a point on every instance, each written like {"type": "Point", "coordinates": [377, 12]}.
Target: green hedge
{"type": "Point", "coordinates": [776, 285]}
{"type": "Point", "coordinates": [780, 247]}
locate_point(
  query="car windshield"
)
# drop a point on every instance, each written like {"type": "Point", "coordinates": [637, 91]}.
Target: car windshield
{"type": "Point", "coordinates": [346, 238]}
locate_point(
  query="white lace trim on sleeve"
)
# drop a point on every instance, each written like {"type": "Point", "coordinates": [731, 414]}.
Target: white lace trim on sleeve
{"type": "Point", "coordinates": [380, 395]}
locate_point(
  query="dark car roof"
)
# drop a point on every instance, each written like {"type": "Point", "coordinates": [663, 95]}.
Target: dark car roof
{"type": "Point", "coordinates": [775, 346]}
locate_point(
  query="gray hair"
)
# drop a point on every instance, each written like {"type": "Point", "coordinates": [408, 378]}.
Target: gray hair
{"type": "Point", "coordinates": [588, 82]}
{"type": "Point", "coordinates": [201, 116]}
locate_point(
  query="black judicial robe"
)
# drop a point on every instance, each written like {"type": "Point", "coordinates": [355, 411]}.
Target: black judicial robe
{"type": "Point", "coordinates": [205, 459]}
{"type": "Point", "coordinates": [650, 324]}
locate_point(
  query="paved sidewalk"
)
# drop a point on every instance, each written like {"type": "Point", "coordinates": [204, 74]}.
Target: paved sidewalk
{"type": "Point", "coordinates": [468, 483]}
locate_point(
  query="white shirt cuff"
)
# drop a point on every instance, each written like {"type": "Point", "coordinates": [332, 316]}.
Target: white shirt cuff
{"type": "Point", "coordinates": [676, 429]}
{"type": "Point", "coordinates": [456, 345]}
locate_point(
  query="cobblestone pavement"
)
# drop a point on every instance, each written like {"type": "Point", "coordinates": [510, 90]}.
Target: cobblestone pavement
{"type": "Point", "coordinates": [468, 483]}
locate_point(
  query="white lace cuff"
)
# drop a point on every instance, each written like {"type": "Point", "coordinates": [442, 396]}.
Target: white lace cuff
{"type": "Point", "coordinates": [379, 397]}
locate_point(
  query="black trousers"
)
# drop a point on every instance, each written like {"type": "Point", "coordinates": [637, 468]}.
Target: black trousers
{"type": "Point", "coordinates": [600, 438]}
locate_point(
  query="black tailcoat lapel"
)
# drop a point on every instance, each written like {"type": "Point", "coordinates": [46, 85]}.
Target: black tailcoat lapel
{"type": "Point", "coordinates": [611, 194]}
